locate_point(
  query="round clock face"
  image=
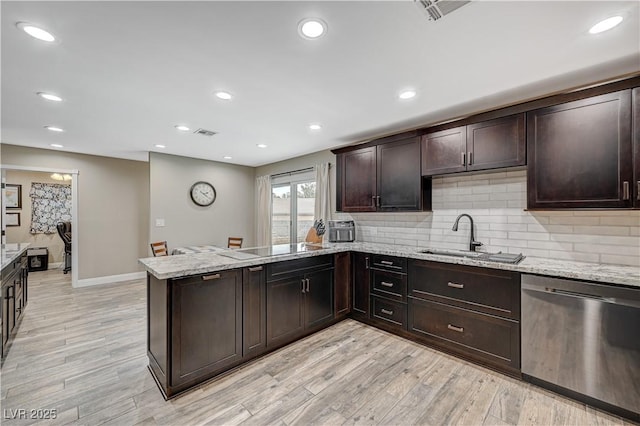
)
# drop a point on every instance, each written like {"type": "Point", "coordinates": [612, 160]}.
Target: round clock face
{"type": "Point", "coordinates": [203, 193]}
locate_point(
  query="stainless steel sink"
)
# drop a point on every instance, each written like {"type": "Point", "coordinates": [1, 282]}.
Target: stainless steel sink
{"type": "Point", "coordinates": [454, 253]}
{"type": "Point", "coordinates": [489, 257]}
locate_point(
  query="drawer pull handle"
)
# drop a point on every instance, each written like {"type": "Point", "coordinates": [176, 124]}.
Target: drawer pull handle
{"type": "Point", "coordinates": [210, 277]}
{"type": "Point", "coordinates": [625, 190]}
{"type": "Point", "coordinates": [455, 285]}
{"type": "Point", "coordinates": [386, 262]}
{"type": "Point", "coordinates": [454, 328]}
{"type": "Point", "coordinates": [386, 284]}
{"type": "Point", "coordinates": [255, 269]}
{"type": "Point", "coordinates": [384, 311]}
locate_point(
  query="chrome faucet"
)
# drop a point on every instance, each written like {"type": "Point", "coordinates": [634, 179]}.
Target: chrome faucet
{"type": "Point", "coordinates": [472, 243]}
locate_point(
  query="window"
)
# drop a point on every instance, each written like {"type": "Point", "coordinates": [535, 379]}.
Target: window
{"type": "Point", "coordinates": [292, 204]}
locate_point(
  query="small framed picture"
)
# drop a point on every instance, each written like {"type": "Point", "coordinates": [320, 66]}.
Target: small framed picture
{"type": "Point", "coordinates": [12, 218]}
{"type": "Point", "coordinates": [13, 196]}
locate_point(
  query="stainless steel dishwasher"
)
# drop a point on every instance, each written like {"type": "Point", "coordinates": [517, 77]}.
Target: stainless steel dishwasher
{"type": "Point", "coordinates": [583, 338]}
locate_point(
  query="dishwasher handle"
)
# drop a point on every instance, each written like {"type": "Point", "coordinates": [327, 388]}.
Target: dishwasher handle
{"type": "Point", "coordinates": [631, 302]}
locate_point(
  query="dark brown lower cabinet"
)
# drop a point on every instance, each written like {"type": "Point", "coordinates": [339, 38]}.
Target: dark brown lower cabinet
{"type": "Point", "coordinates": [485, 338]}
{"type": "Point", "coordinates": [297, 305]}
{"type": "Point", "coordinates": [470, 311]}
{"type": "Point", "coordinates": [361, 279]}
{"type": "Point", "coordinates": [254, 311]}
{"type": "Point", "coordinates": [206, 325]}
{"type": "Point", "coordinates": [342, 280]}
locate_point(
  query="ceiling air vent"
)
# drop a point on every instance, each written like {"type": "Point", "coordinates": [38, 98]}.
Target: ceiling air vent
{"type": "Point", "coordinates": [204, 132]}
{"type": "Point", "coordinates": [436, 9]}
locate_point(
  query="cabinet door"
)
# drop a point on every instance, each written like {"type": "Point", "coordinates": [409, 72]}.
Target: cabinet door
{"type": "Point", "coordinates": [399, 178]}
{"type": "Point", "coordinates": [444, 151]}
{"type": "Point", "coordinates": [496, 143]}
{"type": "Point", "coordinates": [358, 180]}
{"type": "Point", "coordinates": [285, 315]}
{"type": "Point", "coordinates": [579, 153]}
{"type": "Point", "coordinates": [7, 315]}
{"type": "Point", "coordinates": [319, 298]}
{"type": "Point", "coordinates": [361, 279]}
{"type": "Point", "coordinates": [342, 283]}
{"type": "Point", "coordinates": [207, 325]}
{"type": "Point", "coordinates": [635, 193]}
{"type": "Point", "coordinates": [254, 311]}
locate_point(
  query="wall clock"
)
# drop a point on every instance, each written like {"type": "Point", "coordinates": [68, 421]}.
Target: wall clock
{"type": "Point", "coordinates": [202, 193]}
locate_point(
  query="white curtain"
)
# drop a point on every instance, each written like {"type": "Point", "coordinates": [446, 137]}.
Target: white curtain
{"type": "Point", "coordinates": [322, 209]}
{"type": "Point", "coordinates": [263, 211]}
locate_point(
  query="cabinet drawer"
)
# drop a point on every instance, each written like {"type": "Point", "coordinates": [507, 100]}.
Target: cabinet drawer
{"type": "Point", "coordinates": [290, 268]}
{"type": "Point", "coordinates": [389, 263]}
{"type": "Point", "coordinates": [394, 313]}
{"type": "Point", "coordinates": [487, 337]}
{"type": "Point", "coordinates": [389, 284]}
{"type": "Point", "coordinates": [492, 291]}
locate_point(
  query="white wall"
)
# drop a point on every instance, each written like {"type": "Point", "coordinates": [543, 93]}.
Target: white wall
{"type": "Point", "coordinates": [21, 234]}
{"type": "Point", "coordinates": [186, 224]}
{"type": "Point", "coordinates": [497, 203]}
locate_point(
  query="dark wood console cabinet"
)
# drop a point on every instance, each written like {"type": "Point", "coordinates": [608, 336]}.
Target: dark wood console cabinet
{"type": "Point", "coordinates": [14, 299]}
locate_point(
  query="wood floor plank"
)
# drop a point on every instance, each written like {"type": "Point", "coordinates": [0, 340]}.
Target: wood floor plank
{"type": "Point", "coordinates": [83, 352]}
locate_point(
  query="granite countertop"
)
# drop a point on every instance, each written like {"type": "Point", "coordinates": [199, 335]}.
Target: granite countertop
{"type": "Point", "coordinates": [10, 252]}
{"type": "Point", "coordinates": [200, 263]}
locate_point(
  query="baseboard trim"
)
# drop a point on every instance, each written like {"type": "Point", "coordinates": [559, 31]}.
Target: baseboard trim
{"type": "Point", "coordinates": [110, 279]}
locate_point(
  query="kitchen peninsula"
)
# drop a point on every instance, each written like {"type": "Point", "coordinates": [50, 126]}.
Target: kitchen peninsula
{"type": "Point", "coordinates": [210, 312]}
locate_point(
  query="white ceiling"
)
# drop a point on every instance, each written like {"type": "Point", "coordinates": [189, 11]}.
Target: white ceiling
{"type": "Point", "coordinates": [130, 71]}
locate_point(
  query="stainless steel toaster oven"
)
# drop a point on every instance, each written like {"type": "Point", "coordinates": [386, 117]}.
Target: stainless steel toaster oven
{"type": "Point", "coordinates": [342, 231]}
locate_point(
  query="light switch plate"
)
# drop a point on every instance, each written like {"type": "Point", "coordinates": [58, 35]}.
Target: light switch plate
{"type": "Point", "coordinates": [159, 222]}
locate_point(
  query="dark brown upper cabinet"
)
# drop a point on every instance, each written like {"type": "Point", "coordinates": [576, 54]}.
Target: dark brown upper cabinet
{"type": "Point", "coordinates": [485, 145]}
{"type": "Point", "coordinates": [382, 177]}
{"type": "Point", "coordinates": [580, 154]}
{"type": "Point", "coordinates": [636, 147]}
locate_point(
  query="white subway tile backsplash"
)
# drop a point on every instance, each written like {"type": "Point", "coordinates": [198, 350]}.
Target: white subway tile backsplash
{"type": "Point", "coordinates": [497, 203]}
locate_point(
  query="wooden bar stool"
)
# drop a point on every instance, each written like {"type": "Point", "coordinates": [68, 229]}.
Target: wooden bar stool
{"type": "Point", "coordinates": [159, 248]}
{"type": "Point", "coordinates": [235, 242]}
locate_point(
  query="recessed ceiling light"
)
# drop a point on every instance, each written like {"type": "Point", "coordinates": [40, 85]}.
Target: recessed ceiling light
{"type": "Point", "coordinates": [36, 32]}
{"type": "Point", "coordinates": [159, 146]}
{"type": "Point", "coordinates": [261, 145]}
{"type": "Point", "coordinates": [54, 128]}
{"type": "Point", "coordinates": [227, 157]}
{"type": "Point", "coordinates": [57, 145]}
{"type": "Point", "coordinates": [407, 94]}
{"type": "Point", "coordinates": [49, 96]}
{"type": "Point", "coordinates": [182, 128]}
{"type": "Point", "coordinates": [315, 126]}
{"type": "Point", "coordinates": [312, 28]}
{"type": "Point", "coordinates": [605, 25]}
{"type": "Point", "coordinates": [224, 95]}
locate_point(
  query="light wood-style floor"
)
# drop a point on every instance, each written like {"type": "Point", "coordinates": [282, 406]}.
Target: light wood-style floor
{"type": "Point", "coordinates": [82, 353]}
